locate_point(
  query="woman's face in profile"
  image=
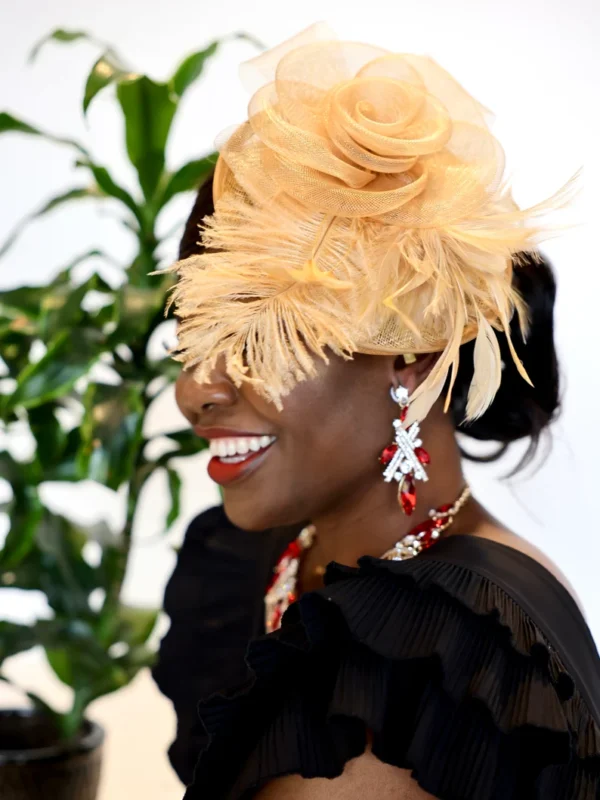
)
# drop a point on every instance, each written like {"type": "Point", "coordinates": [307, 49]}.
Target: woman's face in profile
{"type": "Point", "coordinates": [327, 437]}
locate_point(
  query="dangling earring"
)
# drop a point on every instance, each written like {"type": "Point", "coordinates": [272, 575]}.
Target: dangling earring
{"type": "Point", "coordinates": [405, 458]}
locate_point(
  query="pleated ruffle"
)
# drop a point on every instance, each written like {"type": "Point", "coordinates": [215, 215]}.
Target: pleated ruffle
{"type": "Point", "coordinates": [451, 675]}
{"type": "Point", "coordinates": [214, 603]}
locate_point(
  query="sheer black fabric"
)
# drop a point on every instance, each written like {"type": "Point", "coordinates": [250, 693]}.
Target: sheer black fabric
{"type": "Point", "coordinates": [214, 600]}
{"type": "Point", "coordinates": [471, 664]}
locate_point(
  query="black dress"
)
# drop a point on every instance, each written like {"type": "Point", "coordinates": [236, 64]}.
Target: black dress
{"type": "Point", "coordinates": [470, 663]}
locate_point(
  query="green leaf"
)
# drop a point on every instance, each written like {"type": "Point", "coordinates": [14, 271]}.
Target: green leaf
{"type": "Point", "coordinates": [33, 312]}
{"type": "Point", "coordinates": [66, 360]}
{"type": "Point", "coordinates": [135, 625]}
{"type": "Point", "coordinates": [188, 445]}
{"type": "Point", "coordinates": [79, 661]}
{"type": "Point", "coordinates": [23, 301]}
{"type": "Point", "coordinates": [110, 188]}
{"type": "Point", "coordinates": [49, 435]}
{"type": "Point", "coordinates": [136, 308]}
{"type": "Point", "coordinates": [248, 37]}
{"type": "Point", "coordinates": [42, 706]}
{"type": "Point", "coordinates": [169, 368]}
{"type": "Point", "coordinates": [72, 194]}
{"type": "Point", "coordinates": [64, 576]}
{"type": "Point", "coordinates": [191, 68]}
{"type": "Point", "coordinates": [15, 639]}
{"type": "Point", "coordinates": [148, 108]}
{"type": "Point", "coordinates": [111, 432]}
{"type": "Point", "coordinates": [66, 468]}
{"type": "Point", "coordinates": [61, 35]}
{"type": "Point", "coordinates": [107, 69]}
{"type": "Point", "coordinates": [61, 308]}
{"type": "Point", "coordinates": [20, 539]}
{"type": "Point", "coordinates": [55, 566]}
{"type": "Point", "coordinates": [24, 509]}
{"type": "Point", "coordinates": [14, 349]}
{"type": "Point", "coordinates": [78, 193]}
{"type": "Point", "coordinates": [175, 492]}
{"type": "Point", "coordinates": [9, 123]}
{"type": "Point", "coordinates": [187, 178]}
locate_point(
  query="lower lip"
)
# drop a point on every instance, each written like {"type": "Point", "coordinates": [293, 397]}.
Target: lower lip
{"type": "Point", "coordinates": [225, 474]}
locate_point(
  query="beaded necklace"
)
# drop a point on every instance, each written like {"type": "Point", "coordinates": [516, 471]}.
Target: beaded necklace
{"type": "Point", "coordinates": [281, 591]}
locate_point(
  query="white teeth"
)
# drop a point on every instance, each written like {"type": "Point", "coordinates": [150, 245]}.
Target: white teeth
{"type": "Point", "coordinates": [234, 450]}
{"type": "Point", "coordinates": [233, 459]}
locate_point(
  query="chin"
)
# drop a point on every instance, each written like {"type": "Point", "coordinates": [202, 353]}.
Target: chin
{"type": "Point", "coordinates": [248, 516]}
{"type": "Point", "coordinates": [256, 515]}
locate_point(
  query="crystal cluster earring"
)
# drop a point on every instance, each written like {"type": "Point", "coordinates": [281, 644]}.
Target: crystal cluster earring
{"type": "Point", "coordinates": [405, 459]}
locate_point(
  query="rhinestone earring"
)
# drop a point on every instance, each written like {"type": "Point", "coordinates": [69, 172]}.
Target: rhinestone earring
{"type": "Point", "coordinates": [405, 459]}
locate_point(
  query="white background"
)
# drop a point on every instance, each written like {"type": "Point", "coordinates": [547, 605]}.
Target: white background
{"type": "Point", "coordinates": [534, 63]}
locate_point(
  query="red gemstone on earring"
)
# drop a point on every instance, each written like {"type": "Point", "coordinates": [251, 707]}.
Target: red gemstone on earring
{"type": "Point", "coordinates": [422, 455]}
{"type": "Point", "coordinates": [387, 454]}
{"type": "Point", "coordinates": [404, 414]}
{"type": "Point", "coordinates": [293, 550]}
{"type": "Point", "coordinates": [276, 618]}
{"type": "Point", "coordinates": [408, 495]}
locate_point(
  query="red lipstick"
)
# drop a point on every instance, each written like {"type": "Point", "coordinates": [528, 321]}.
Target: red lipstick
{"type": "Point", "coordinates": [224, 473]}
{"type": "Point", "coordinates": [223, 433]}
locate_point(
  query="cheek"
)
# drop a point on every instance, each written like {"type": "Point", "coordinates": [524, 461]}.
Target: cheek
{"type": "Point", "coordinates": [332, 435]}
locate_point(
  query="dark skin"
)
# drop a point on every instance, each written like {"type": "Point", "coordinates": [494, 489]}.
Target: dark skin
{"type": "Point", "coordinates": [324, 468]}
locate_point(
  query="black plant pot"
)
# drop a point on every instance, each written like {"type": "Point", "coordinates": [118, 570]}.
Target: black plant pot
{"type": "Point", "coordinates": [36, 765]}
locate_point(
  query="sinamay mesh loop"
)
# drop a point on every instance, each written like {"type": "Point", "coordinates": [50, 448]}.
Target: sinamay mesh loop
{"type": "Point", "coordinates": [361, 208]}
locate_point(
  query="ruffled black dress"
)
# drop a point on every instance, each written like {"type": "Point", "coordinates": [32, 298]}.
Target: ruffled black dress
{"type": "Point", "coordinates": [471, 665]}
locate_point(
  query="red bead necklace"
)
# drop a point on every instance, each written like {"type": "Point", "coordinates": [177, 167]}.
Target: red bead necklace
{"type": "Point", "coordinates": [281, 591]}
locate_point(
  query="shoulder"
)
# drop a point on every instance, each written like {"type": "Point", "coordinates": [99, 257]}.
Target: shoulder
{"type": "Point", "coordinates": [473, 653]}
{"type": "Point", "coordinates": [513, 540]}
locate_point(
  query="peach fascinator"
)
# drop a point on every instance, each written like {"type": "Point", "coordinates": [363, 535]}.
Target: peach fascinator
{"type": "Point", "coordinates": [362, 207]}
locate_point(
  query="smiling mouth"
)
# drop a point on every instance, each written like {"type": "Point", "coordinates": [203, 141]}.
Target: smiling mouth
{"type": "Point", "coordinates": [232, 450]}
{"type": "Point", "coordinates": [227, 465]}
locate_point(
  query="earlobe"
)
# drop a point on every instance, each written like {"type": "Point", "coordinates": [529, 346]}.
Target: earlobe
{"type": "Point", "coordinates": [411, 370]}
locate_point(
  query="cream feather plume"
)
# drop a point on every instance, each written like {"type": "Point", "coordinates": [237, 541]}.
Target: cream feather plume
{"type": "Point", "coordinates": [362, 208]}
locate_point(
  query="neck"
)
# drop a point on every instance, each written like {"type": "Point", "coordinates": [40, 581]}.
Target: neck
{"type": "Point", "coordinates": [368, 519]}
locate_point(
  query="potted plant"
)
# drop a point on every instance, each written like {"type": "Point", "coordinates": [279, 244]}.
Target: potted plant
{"type": "Point", "coordinates": [52, 338]}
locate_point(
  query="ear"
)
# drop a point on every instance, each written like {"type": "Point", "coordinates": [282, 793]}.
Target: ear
{"type": "Point", "coordinates": [411, 371]}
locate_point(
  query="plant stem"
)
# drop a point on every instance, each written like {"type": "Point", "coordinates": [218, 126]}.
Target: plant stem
{"type": "Point", "coordinates": [142, 471]}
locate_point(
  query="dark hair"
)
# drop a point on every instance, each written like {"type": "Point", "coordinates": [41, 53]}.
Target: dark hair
{"type": "Point", "coordinates": [519, 410]}
{"type": "Point", "coordinates": [203, 207]}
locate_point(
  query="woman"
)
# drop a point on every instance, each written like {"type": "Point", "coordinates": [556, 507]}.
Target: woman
{"type": "Point", "coordinates": [361, 291]}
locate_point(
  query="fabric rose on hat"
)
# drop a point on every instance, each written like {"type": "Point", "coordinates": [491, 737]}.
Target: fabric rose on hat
{"type": "Point", "coordinates": [353, 130]}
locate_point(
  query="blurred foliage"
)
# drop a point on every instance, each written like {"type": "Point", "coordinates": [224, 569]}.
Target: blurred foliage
{"type": "Point", "coordinates": [93, 647]}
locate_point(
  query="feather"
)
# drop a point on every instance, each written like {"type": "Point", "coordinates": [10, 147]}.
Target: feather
{"type": "Point", "coordinates": [250, 303]}
{"type": "Point", "coordinates": [487, 373]}
{"type": "Point", "coordinates": [315, 248]}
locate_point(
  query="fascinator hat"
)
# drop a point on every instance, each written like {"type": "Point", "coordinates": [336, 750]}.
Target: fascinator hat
{"type": "Point", "coordinates": [361, 208]}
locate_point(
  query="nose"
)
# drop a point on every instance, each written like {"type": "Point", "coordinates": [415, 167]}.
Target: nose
{"type": "Point", "coordinates": [197, 400]}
